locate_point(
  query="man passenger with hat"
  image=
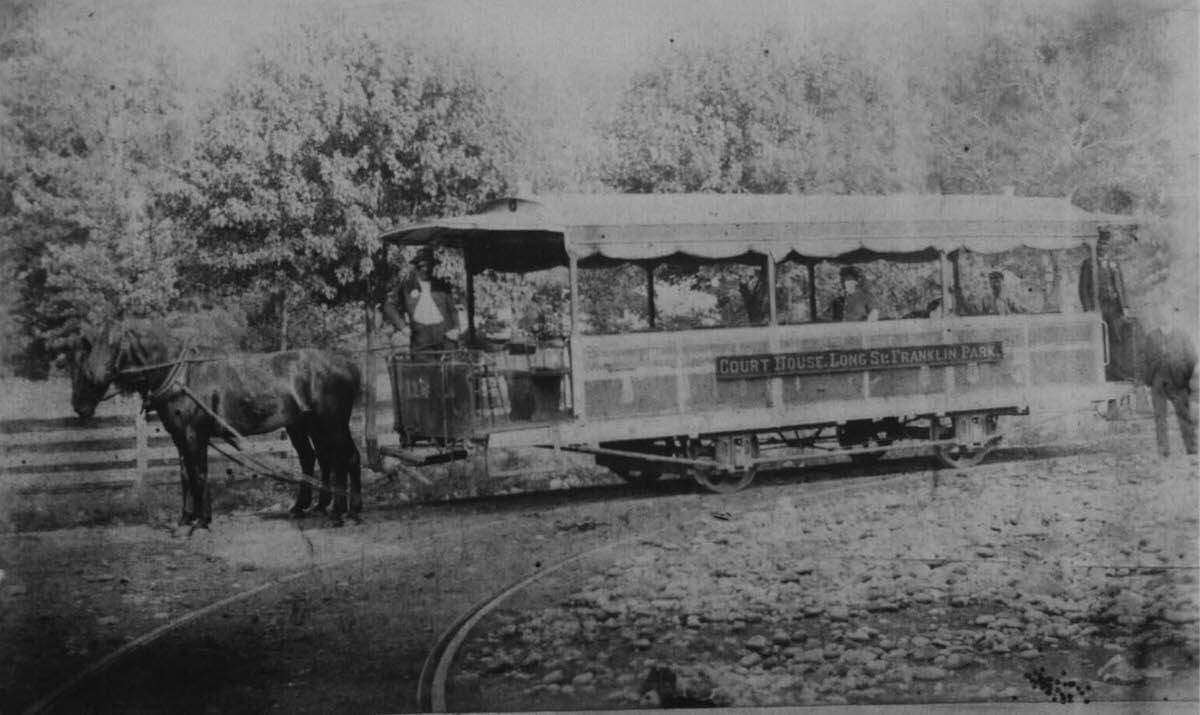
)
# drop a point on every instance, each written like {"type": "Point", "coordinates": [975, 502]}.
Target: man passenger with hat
{"type": "Point", "coordinates": [1113, 304]}
{"type": "Point", "coordinates": [427, 307]}
{"type": "Point", "coordinates": [854, 303]}
{"type": "Point", "coordinates": [997, 302]}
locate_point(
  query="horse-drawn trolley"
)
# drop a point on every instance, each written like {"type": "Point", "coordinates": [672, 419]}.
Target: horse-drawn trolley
{"type": "Point", "coordinates": [940, 359]}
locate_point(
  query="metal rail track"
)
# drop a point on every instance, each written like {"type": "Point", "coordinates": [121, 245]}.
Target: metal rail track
{"type": "Point", "coordinates": [436, 667]}
{"type": "Point", "coordinates": [431, 687]}
{"type": "Point", "coordinates": [48, 702]}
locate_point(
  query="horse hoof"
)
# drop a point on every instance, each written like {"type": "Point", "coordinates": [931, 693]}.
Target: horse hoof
{"type": "Point", "coordinates": [356, 518]}
{"type": "Point", "coordinates": [336, 521]}
{"type": "Point", "coordinates": [297, 512]}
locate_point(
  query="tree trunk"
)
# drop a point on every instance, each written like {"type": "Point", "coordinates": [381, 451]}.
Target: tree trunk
{"type": "Point", "coordinates": [283, 322]}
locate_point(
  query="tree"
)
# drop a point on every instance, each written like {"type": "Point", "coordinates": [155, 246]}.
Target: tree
{"type": "Point", "coordinates": [89, 128]}
{"type": "Point", "coordinates": [1063, 105]}
{"type": "Point", "coordinates": [326, 138]}
{"type": "Point", "coordinates": [1083, 106]}
{"type": "Point", "coordinates": [779, 116]}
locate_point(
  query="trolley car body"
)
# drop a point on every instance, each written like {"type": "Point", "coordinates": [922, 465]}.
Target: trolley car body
{"type": "Point", "coordinates": [721, 402]}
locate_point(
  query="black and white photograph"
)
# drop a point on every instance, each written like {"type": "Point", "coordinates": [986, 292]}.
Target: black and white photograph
{"type": "Point", "coordinates": [402, 356]}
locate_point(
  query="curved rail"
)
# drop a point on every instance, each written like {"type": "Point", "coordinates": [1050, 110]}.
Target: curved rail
{"type": "Point", "coordinates": [435, 671]}
{"type": "Point", "coordinates": [72, 683]}
{"type": "Point", "coordinates": [431, 685]}
{"type": "Point", "coordinates": [46, 703]}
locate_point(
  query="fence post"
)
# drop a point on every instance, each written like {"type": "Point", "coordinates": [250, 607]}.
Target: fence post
{"type": "Point", "coordinates": [142, 444]}
{"type": "Point", "coordinates": [370, 434]}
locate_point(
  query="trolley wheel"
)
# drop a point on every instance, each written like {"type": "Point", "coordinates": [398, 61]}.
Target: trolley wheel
{"type": "Point", "coordinates": [957, 456]}
{"type": "Point", "coordinates": [724, 482]}
{"type": "Point", "coordinates": [960, 456]}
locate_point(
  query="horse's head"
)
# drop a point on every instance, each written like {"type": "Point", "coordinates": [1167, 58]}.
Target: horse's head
{"type": "Point", "coordinates": [94, 366]}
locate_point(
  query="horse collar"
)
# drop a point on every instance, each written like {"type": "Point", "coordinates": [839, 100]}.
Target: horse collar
{"type": "Point", "coordinates": [164, 388]}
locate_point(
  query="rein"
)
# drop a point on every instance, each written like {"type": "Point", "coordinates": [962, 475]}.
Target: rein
{"type": "Point", "coordinates": [235, 438]}
{"type": "Point", "coordinates": [177, 367]}
{"type": "Point", "coordinates": [238, 441]}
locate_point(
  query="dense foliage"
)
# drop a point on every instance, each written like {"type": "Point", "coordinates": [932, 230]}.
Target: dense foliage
{"type": "Point", "coordinates": [89, 130]}
{"type": "Point", "coordinates": [777, 117]}
{"type": "Point", "coordinates": [132, 186]}
{"type": "Point", "coordinates": [1074, 105]}
{"type": "Point", "coordinates": [323, 140]}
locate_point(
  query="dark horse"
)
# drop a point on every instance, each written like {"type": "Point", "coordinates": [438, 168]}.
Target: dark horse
{"type": "Point", "coordinates": [309, 393]}
{"type": "Point", "coordinates": [1167, 365]}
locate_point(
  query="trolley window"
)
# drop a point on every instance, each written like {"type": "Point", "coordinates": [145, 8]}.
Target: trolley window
{"type": "Point", "coordinates": [1024, 280]}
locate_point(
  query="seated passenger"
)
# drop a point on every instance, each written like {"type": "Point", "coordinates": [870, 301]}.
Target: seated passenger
{"type": "Point", "coordinates": [853, 304]}
{"type": "Point", "coordinates": [754, 297]}
{"type": "Point", "coordinates": [996, 302]}
{"type": "Point", "coordinates": [930, 308]}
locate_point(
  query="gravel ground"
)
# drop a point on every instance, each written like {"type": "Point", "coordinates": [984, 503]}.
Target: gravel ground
{"type": "Point", "coordinates": [1070, 579]}
{"type": "Point", "coordinates": [345, 622]}
{"type": "Point", "coordinates": [1074, 564]}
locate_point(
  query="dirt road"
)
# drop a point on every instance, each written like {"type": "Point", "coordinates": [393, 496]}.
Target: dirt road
{"type": "Point", "coordinates": [943, 586]}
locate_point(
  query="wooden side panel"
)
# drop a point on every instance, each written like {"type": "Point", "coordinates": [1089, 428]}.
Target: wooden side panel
{"type": "Point", "coordinates": [709, 394]}
{"type": "Point", "coordinates": [910, 381]}
{"type": "Point", "coordinates": [1057, 367]}
{"type": "Point", "coordinates": [653, 374]}
{"type": "Point", "coordinates": [801, 391]}
{"type": "Point", "coordinates": [1070, 330]}
{"type": "Point", "coordinates": [906, 381]}
{"type": "Point", "coordinates": [631, 395]}
{"type": "Point", "coordinates": [661, 374]}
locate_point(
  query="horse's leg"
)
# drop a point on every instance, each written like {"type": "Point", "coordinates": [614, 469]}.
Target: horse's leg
{"type": "Point", "coordinates": [339, 462]}
{"type": "Point", "coordinates": [326, 461]}
{"type": "Point", "coordinates": [353, 466]}
{"type": "Point", "coordinates": [188, 511]}
{"type": "Point", "coordinates": [308, 458]}
{"type": "Point", "coordinates": [1158, 397]}
{"type": "Point", "coordinates": [201, 495]}
{"type": "Point", "coordinates": [185, 486]}
{"type": "Point", "coordinates": [193, 468]}
{"type": "Point", "coordinates": [1187, 423]}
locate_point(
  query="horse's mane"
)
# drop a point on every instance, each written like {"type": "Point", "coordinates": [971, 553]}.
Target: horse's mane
{"type": "Point", "coordinates": [142, 339]}
{"type": "Point", "coordinates": [137, 343]}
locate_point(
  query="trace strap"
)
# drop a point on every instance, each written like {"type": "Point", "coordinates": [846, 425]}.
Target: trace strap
{"type": "Point", "coordinates": [238, 441]}
{"type": "Point", "coordinates": [164, 387]}
{"type": "Point", "coordinates": [234, 437]}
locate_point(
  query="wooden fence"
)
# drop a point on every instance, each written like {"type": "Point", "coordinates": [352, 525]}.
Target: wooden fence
{"type": "Point", "coordinates": [48, 449]}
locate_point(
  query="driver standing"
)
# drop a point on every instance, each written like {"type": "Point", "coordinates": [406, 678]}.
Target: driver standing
{"type": "Point", "coordinates": [428, 307]}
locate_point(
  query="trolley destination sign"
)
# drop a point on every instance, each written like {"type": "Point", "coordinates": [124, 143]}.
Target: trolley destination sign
{"type": "Point", "coordinates": [741, 367]}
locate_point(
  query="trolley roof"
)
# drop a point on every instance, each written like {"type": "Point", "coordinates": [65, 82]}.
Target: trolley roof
{"type": "Point", "coordinates": [537, 232]}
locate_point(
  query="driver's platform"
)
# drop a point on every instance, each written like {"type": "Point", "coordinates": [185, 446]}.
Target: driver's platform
{"type": "Point", "coordinates": [447, 402]}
